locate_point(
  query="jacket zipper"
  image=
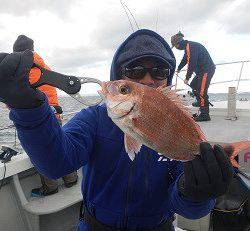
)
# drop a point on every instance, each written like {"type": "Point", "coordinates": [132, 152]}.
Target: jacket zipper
{"type": "Point", "coordinates": [131, 171]}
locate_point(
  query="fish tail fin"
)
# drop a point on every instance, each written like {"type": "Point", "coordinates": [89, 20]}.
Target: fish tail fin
{"type": "Point", "coordinates": [234, 149]}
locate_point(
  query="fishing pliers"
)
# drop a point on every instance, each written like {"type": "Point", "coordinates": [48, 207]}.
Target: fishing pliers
{"type": "Point", "coordinates": [67, 83]}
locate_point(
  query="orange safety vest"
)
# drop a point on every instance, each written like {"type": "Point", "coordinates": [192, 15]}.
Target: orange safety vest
{"type": "Point", "coordinates": [34, 76]}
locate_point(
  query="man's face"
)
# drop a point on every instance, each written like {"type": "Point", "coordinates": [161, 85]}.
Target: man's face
{"type": "Point", "coordinates": [147, 79]}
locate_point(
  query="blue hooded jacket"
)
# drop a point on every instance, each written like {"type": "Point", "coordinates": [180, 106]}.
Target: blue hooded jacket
{"type": "Point", "coordinates": [118, 192]}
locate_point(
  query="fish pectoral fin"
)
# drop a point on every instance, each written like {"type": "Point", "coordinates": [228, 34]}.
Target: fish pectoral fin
{"type": "Point", "coordinates": [132, 146]}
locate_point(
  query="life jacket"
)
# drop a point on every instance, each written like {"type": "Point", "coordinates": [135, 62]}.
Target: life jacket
{"type": "Point", "coordinates": [48, 90]}
{"type": "Point", "coordinates": [34, 76]}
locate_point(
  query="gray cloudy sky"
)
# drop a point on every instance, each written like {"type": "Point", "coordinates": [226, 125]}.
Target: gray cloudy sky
{"type": "Point", "coordinates": [81, 36]}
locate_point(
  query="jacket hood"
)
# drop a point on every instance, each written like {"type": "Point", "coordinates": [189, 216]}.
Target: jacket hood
{"type": "Point", "coordinates": [143, 43]}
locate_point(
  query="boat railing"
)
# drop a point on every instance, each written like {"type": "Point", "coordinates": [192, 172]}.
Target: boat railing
{"type": "Point", "coordinates": [238, 80]}
{"type": "Point", "coordinates": [233, 89]}
{"type": "Point", "coordinates": [16, 143]}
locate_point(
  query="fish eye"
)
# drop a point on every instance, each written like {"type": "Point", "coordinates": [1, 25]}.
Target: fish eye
{"type": "Point", "coordinates": [124, 89]}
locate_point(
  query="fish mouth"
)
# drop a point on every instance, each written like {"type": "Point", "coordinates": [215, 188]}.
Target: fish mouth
{"type": "Point", "coordinates": [131, 109]}
{"type": "Point", "coordinates": [123, 115]}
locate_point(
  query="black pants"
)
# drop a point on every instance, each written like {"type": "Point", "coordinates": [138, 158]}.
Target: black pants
{"type": "Point", "coordinates": [95, 225]}
{"type": "Point", "coordinates": [200, 85]}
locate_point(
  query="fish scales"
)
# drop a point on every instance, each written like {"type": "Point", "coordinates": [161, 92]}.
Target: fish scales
{"type": "Point", "coordinates": [167, 126]}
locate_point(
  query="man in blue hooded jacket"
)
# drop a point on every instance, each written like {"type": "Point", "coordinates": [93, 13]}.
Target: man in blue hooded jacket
{"type": "Point", "coordinates": [118, 194]}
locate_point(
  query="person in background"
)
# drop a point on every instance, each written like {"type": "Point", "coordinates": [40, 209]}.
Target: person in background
{"type": "Point", "coordinates": [200, 62]}
{"type": "Point", "coordinates": [118, 194]}
{"type": "Point", "coordinates": [49, 186]}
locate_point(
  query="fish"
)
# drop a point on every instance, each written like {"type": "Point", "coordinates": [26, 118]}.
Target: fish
{"type": "Point", "coordinates": [158, 119]}
{"type": "Point", "coordinates": [154, 117]}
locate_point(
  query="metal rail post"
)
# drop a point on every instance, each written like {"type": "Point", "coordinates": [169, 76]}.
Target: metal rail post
{"type": "Point", "coordinates": [231, 104]}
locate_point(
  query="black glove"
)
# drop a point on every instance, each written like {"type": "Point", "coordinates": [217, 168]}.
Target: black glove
{"type": "Point", "coordinates": [15, 89]}
{"type": "Point", "coordinates": [207, 176]}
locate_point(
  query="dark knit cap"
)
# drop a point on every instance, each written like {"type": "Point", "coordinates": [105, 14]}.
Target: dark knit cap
{"type": "Point", "coordinates": [23, 43]}
{"type": "Point", "coordinates": [175, 39]}
{"type": "Point", "coordinates": [143, 46]}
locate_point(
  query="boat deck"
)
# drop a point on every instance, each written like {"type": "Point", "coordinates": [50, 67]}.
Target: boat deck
{"type": "Point", "coordinates": [221, 130]}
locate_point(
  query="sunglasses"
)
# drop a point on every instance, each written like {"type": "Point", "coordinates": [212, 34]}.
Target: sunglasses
{"type": "Point", "coordinates": [139, 72]}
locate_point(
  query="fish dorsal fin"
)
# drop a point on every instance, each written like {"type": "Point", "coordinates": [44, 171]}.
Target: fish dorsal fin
{"type": "Point", "coordinates": [171, 94]}
{"type": "Point", "coordinates": [132, 146]}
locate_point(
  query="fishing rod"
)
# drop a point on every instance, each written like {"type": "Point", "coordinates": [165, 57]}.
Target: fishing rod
{"type": "Point", "coordinates": [131, 15]}
{"type": "Point", "coordinates": [131, 25]}
{"type": "Point", "coordinates": [128, 11]}
{"type": "Point", "coordinates": [157, 19]}
{"type": "Point", "coordinates": [195, 91]}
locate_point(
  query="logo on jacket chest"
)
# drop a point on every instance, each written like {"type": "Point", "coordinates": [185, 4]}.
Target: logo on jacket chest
{"type": "Point", "coordinates": [163, 158]}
